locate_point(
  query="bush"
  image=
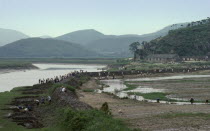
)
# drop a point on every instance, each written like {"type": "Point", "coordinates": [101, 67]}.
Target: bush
{"type": "Point", "coordinates": [90, 120]}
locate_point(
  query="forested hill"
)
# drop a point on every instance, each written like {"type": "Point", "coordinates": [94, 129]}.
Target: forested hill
{"type": "Point", "coordinates": [39, 47]}
{"type": "Point", "coordinates": [193, 40]}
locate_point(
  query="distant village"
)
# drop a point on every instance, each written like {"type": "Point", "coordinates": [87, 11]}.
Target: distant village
{"type": "Point", "coordinates": [140, 49]}
{"type": "Point", "coordinates": [166, 58]}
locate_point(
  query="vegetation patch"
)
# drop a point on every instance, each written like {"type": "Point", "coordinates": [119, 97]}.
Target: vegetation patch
{"type": "Point", "coordinates": [10, 64]}
{"type": "Point", "coordinates": [7, 124]}
{"type": "Point", "coordinates": [88, 90]}
{"type": "Point", "coordinates": [152, 96]}
{"type": "Point", "coordinates": [90, 120]}
{"type": "Point", "coordinates": [130, 86]}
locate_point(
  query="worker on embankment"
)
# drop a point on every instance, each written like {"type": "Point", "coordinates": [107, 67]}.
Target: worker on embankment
{"type": "Point", "coordinates": [191, 100]}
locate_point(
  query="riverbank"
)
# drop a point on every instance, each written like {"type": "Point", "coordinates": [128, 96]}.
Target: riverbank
{"type": "Point", "coordinates": [60, 114]}
{"type": "Point", "coordinates": [15, 65]}
{"type": "Point", "coordinates": [79, 105]}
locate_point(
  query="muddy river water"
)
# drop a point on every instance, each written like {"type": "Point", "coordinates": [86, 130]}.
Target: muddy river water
{"type": "Point", "coordinates": [13, 79]}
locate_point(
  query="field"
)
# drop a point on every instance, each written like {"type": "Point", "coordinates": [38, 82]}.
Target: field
{"type": "Point", "coordinates": [157, 116]}
{"type": "Point", "coordinates": [184, 89]}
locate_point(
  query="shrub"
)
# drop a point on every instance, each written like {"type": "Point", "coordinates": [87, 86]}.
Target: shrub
{"type": "Point", "coordinates": [90, 120]}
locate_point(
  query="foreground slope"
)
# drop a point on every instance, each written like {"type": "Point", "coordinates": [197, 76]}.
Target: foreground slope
{"type": "Point", "coordinates": [39, 47]}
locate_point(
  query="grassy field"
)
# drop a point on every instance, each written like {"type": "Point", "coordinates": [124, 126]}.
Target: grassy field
{"type": "Point", "coordinates": [130, 86]}
{"type": "Point", "coordinates": [5, 123]}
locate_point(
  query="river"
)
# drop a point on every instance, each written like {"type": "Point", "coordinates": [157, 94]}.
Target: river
{"type": "Point", "coordinates": [30, 77]}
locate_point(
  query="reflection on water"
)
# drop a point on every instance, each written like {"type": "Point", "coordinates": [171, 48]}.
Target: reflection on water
{"type": "Point", "coordinates": [146, 90]}
{"type": "Point", "coordinates": [30, 77]}
{"type": "Point", "coordinates": [113, 85]}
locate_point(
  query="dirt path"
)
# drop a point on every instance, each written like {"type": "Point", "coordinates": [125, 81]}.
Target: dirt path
{"type": "Point", "coordinates": [150, 116]}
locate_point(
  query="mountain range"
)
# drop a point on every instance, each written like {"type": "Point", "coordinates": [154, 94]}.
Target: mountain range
{"type": "Point", "coordinates": [84, 43]}
{"type": "Point", "coordinates": [40, 47]}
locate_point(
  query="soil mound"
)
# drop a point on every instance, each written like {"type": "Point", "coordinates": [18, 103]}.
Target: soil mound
{"type": "Point", "coordinates": [69, 98]}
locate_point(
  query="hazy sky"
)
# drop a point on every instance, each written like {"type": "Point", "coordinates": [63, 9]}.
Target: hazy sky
{"type": "Point", "coordinates": [57, 17]}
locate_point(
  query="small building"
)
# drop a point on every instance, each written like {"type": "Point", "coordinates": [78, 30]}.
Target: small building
{"type": "Point", "coordinates": [162, 58]}
{"type": "Point", "coordinates": [194, 58]}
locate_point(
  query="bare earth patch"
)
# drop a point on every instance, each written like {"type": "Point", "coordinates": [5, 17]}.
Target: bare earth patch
{"type": "Point", "coordinates": [150, 116]}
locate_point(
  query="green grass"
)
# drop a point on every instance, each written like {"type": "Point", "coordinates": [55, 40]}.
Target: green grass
{"type": "Point", "coordinates": [88, 90]}
{"type": "Point", "coordinates": [129, 86]}
{"type": "Point", "coordinates": [151, 96]}
{"type": "Point", "coordinates": [175, 115]}
{"type": "Point", "coordinates": [90, 120]}
{"type": "Point", "coordinates": [5, 123]}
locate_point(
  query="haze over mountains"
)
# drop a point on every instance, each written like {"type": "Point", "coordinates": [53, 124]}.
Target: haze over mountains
{"type": "Point", "coordinates": [8, 36]}
{"type": "Point", "coordinates": [39, 47]}
{"type": "Point", "coordinates": [87, 43]}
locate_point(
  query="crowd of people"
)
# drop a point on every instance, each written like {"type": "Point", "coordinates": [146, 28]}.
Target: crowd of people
{"type": "Point", "coordinates": [57, 79]}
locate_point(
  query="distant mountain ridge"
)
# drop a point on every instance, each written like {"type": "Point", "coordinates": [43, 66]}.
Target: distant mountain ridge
{"type": "Point", "coordinates": [119, 45]}
{"type": "Point", "coordinates": [82, 36]}
{"type": "Point", "coordinates": [8, 36]}
{"type": "Point", "coordinates": [39, 47]}
{"type": "Point", "coordinates": [90, 39]}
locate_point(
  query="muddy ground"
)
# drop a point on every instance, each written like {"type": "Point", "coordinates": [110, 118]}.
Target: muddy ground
{"type": "Point", "coordinates": [184, 89]}
{"type": "Point", "coordinates": [154, 116]}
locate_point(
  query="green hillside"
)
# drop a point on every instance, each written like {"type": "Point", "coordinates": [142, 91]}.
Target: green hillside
{"type": "Point", "coordinates": [193, 40]}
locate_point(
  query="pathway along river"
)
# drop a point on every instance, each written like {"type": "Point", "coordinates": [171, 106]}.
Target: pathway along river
{"type": "Point", "coordinates": [30, 77]}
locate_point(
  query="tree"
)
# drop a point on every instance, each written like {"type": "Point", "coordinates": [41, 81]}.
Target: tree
{"type": "Point", "coordinates": [133, 48]}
